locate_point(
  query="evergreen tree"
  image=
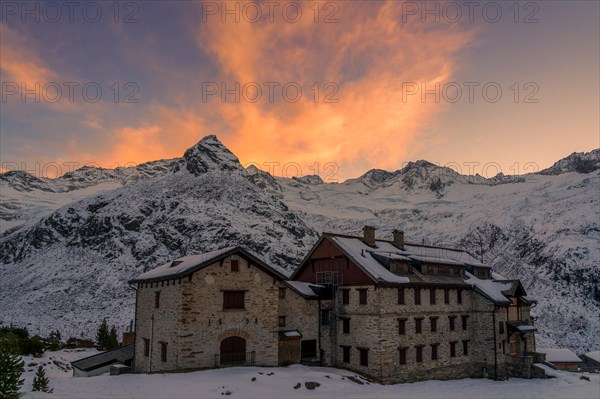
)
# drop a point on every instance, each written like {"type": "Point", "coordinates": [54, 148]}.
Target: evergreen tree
{"type": "Point", "coordinates": [11, 367]}
{"type": "Point", "coordinates": [102, 336]}
{"type": "Point", "coordinates": [54, 341]}
{"type": "Point", "coordinates": [113, 341]}
{"type": "Point", "coordinates": [40, 381]}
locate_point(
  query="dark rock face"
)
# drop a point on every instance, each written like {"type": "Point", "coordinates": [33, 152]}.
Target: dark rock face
{"type": "Point", "coordinates": [210, 154]}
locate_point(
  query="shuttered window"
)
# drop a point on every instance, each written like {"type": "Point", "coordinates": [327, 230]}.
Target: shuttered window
{"type": "Point", "coordinates": [233, 299]}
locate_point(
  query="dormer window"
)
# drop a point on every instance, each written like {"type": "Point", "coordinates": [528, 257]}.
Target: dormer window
{"type": "Point", "coordinates": [399, 267]}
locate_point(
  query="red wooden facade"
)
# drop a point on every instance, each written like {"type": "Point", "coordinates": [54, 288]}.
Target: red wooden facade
{"type": "Point", "coordinates": [326, 257]}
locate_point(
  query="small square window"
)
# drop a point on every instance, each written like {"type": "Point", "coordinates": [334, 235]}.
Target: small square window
{"type": "Point", "coordinates": [434, 351]}
{"type": "Point", "coordinates": [346, 296]}
{"type": "Point", "coordinates": [281, 321]}
{"type": "Point", "coordinates": [282, 292]}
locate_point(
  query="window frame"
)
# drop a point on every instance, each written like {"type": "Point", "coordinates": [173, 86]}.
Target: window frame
{"type": "Point", "coordinates": [453, 348]}
{"type": "Point", "coordinates": [364, 356]}
{"type": "Point", "coordinates": [434, 351]}
{"type": "Point", "coordinates": [231, 301]}
{"type": "Point", "coordinates": [452, 323]}
{"type": "Point", "coordinates": [433, 323]}
{"type": "Point", "coordinates": [362, 296]}
{"type": "Point", "coordinates": [402, 355]}
{"type": "Point", "coordinates": [401, 296]}
{"type": "Point", "coordinates": [234, 266]}
{"type": "Point", "coordinates": [402, 326]}
{"type": "Point", "coordinates": [417, 294]}
{"type": "Point", "coordinates": [156, 299]}
{"type": "Point", "coordinates": [346, 296]}
{"type": "Point", "coordinates": [465, 343]}
{"type": "Point", "coordinates": [281, 321]}
{"type": "Point", "coordinates": [419, 353]}
{"type": "Point", "coordinates": [146, 347]}
{"type": "Point", "coordinates": [346, 353]}
{"type": "Point", "coordinates": [163, 351]}
{"type": "Point", "coordinates": [418, 325]}
{"type": "Point", "coordinates": [345, 325]}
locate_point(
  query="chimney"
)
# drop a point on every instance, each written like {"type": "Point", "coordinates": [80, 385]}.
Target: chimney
{"type": "Point", "coordinates": [399, 239]}
{"type": "Point", "coordinates": [369, 235]}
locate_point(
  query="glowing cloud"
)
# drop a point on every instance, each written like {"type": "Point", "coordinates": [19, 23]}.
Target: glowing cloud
{"type": "Point", "coordinates": [369, 55]}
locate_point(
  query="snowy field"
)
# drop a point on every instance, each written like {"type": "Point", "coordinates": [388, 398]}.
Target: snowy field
{"type": "Point", "coordinates": [279, 382]}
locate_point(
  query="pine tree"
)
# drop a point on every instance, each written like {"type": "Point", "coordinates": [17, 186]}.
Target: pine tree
{"type": "Point", "coordinates": [11, 368]}
{"type": "Point", "coordinates": [40, 381]}
{"type": "Point", "coordinates": [102, 336]}
{"type": "Point", "coordinates": [113, 341]}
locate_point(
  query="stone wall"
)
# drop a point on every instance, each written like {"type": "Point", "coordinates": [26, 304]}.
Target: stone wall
{"type": "Point", "coordinates": [300, 314]}
{"type": "Point", "coordinates": [157, 325]}
{"type": "Point", "coordinates": [192, 320]}
{"type": "Point", "coordinates": [376, 326]}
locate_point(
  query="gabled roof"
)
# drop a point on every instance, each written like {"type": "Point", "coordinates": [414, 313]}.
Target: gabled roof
{"type": "Point", "coordinates": [189, 264]}
{"type": "Point", "coordinates": [516, 288]}
{"type": "Point", "coordinates": [372, 258]}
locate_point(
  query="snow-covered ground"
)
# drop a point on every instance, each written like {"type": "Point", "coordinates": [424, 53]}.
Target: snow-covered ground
{"type": "Point", "coordinates": [279, 382]}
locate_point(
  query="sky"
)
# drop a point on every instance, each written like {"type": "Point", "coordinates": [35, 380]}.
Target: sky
{"type": "Point", "coordinates": [333, 88]}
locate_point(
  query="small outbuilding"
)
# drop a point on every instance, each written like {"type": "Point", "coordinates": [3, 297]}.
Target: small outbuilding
{"type": "Point", "coordinates": [562, 359]}
{"type": "Point", "coordinates": [591, 361]}
{"type": "Point", "coordinates": [101, 363]}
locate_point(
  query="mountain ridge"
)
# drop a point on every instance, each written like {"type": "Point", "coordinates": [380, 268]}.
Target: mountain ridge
{"type": "Point", "coordinates": [542, 228]}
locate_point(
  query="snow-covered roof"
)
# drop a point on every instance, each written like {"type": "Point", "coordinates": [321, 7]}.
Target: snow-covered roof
{"type": "Point", "coordinates": [491, 289]}
{"type": "Point", "coordinates": [357, 250]}
{"type": "Point", "coordinates": [98, 360]}
{"type": "Point", "coordinates": [372, 259]}
{"type": "Point", "coordinates": [595, 356]}
{"type": "Point", "coordinates": [521, 326]}
{"type": "Point", "coordinates": [304, 288]}
{"type": "Point", "coordinates": [431, 259]}
{"type": "Point", "coordinates": [188, 264]}
{"type": "Point", "coordinates": [559, 355]}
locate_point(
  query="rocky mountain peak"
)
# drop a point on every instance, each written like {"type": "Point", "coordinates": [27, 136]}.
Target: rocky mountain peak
{"type": "Point", "coordinates": [580, 162]}
{"type": "Point", "coordinates": [209, 154]}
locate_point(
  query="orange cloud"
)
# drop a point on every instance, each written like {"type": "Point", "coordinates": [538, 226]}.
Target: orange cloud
{"type": "Point", "coordinates": [18, 63]}
{"type": "Point", "coordinates": [369, 55]}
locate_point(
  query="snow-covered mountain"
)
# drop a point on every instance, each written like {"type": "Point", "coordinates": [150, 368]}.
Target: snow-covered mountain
{"type": "Point", "coordinates": [71, 267]}
{"type": "Point", "coordinates": [69, 260]}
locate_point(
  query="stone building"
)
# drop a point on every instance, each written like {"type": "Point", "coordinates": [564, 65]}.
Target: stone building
{"type": "Point", "coordinates": [391, 310]}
